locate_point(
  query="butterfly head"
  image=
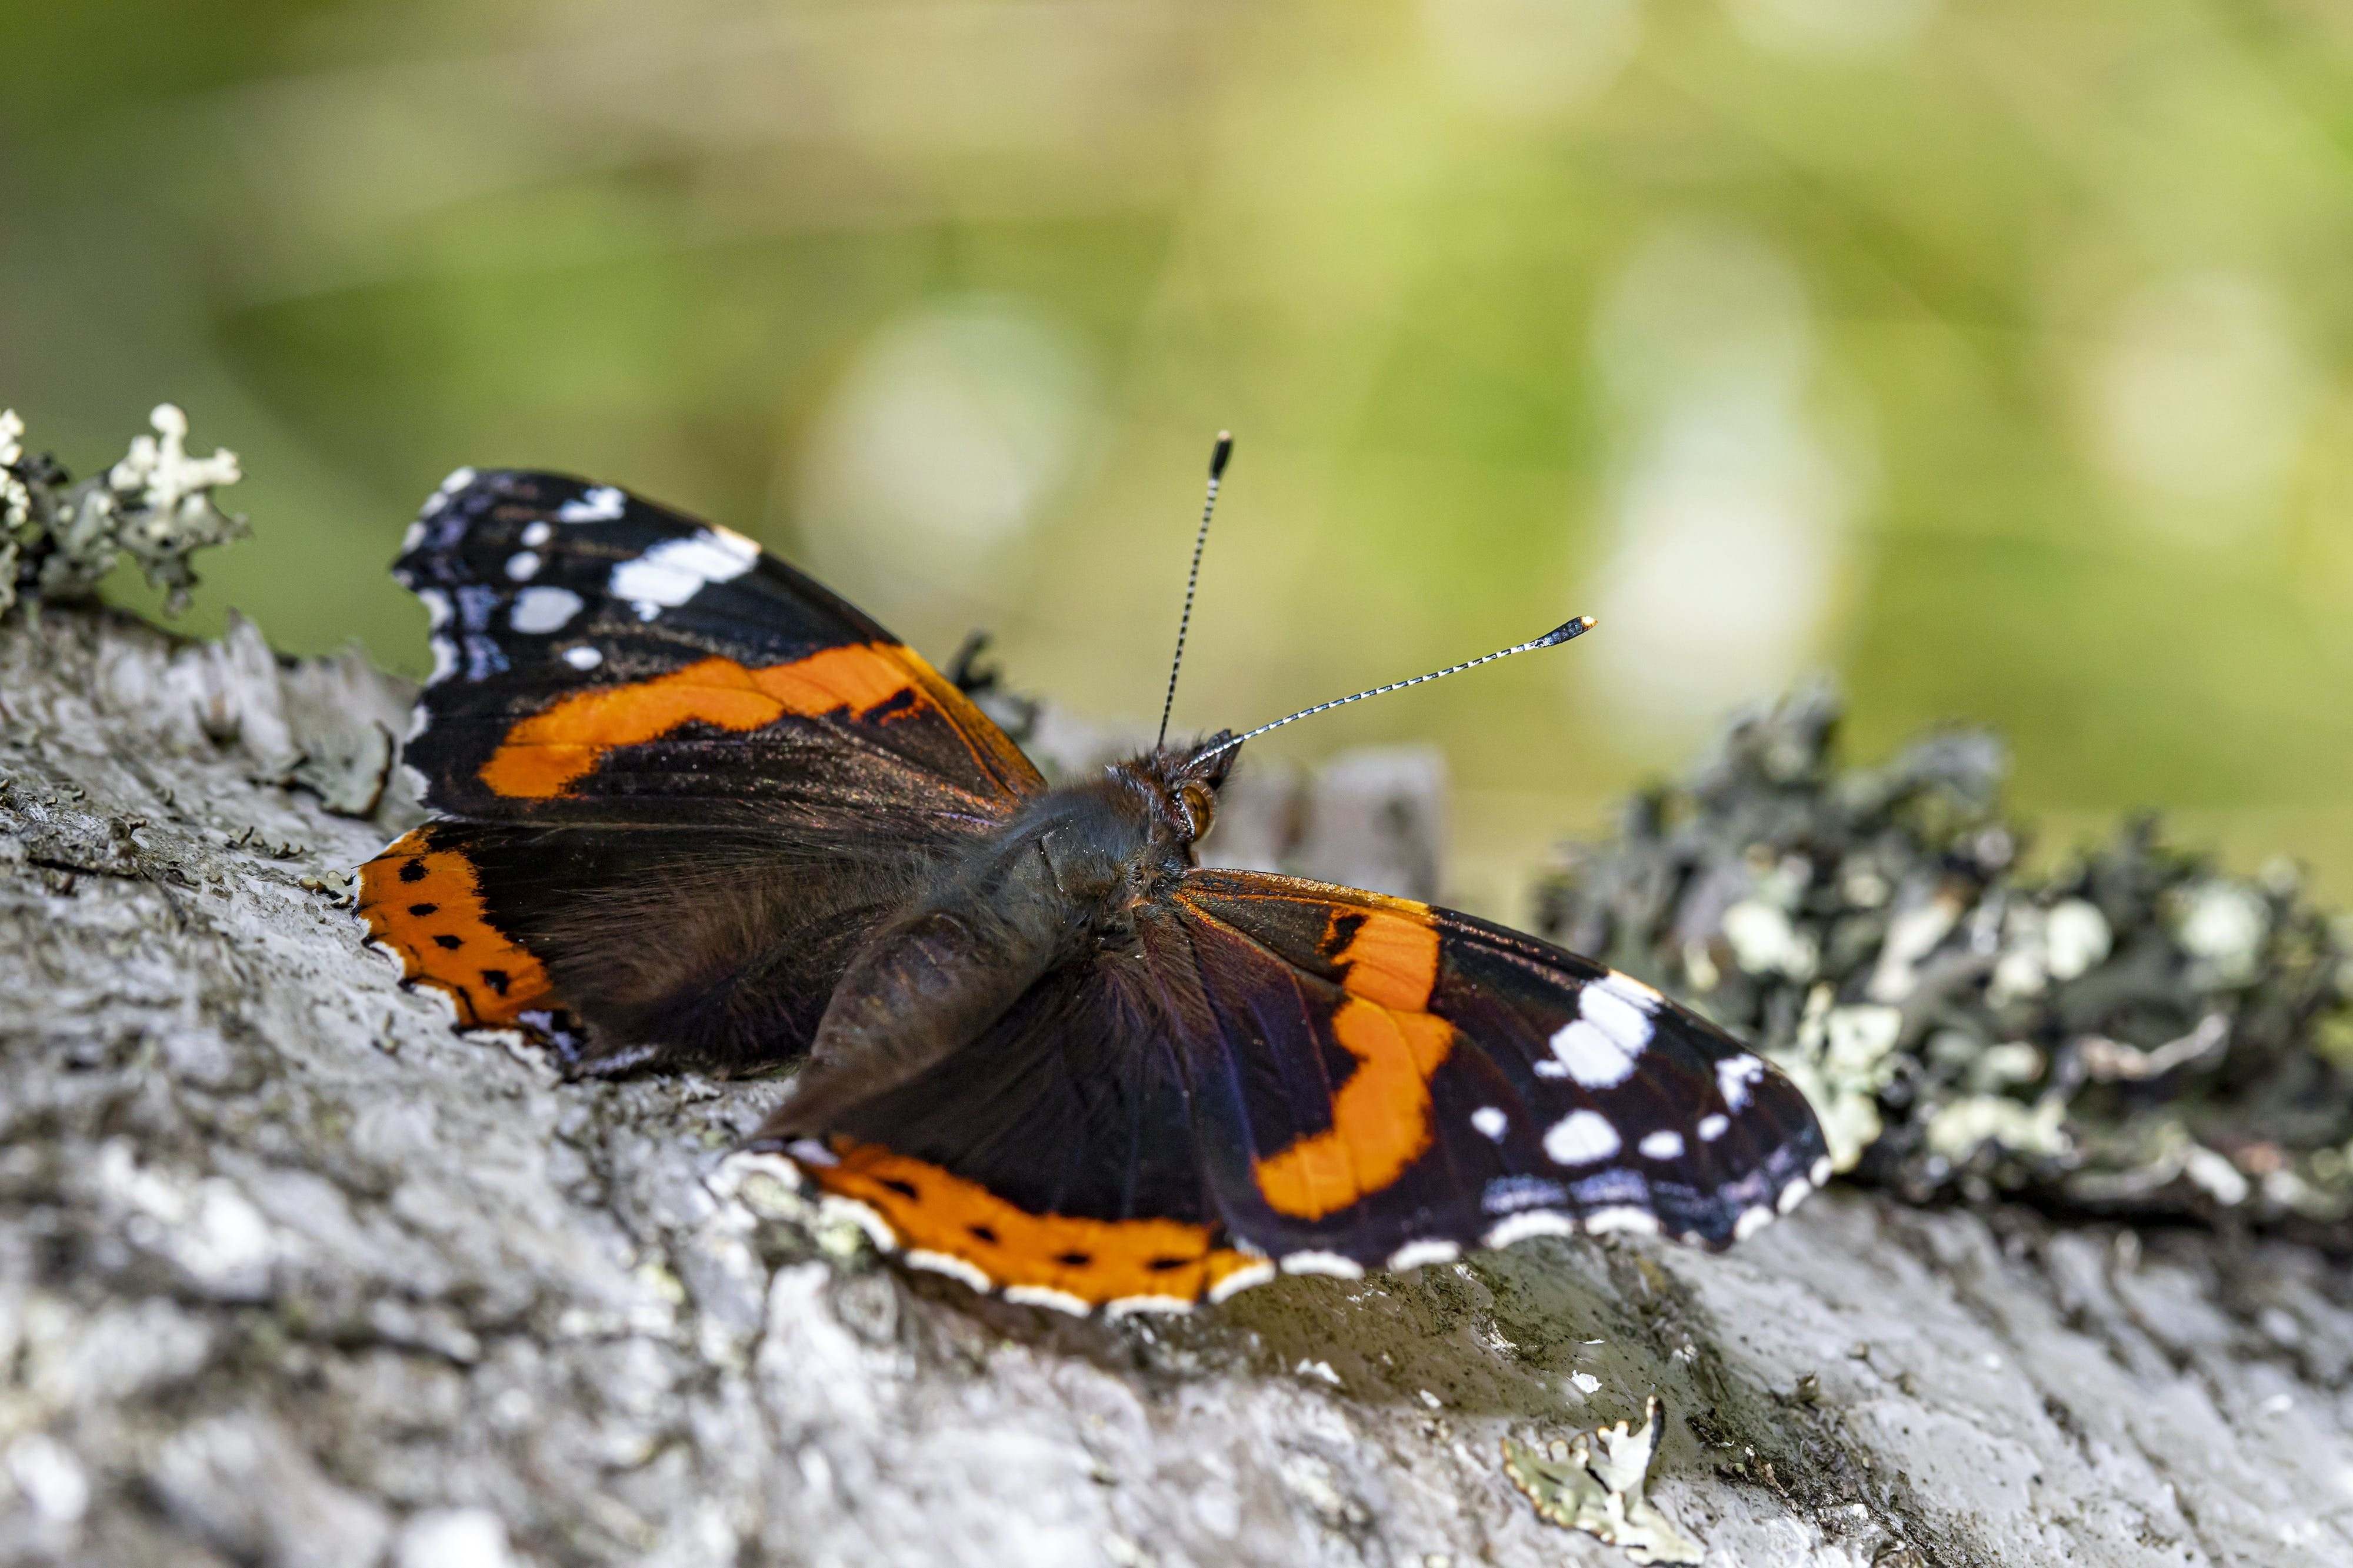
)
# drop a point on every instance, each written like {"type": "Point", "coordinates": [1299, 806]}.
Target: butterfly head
{"type": "Point", "coordinates": [1182, 784]}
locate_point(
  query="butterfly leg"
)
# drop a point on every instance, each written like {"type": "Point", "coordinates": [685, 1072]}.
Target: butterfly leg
{"type": "Point", "coordinates": [622, 1060]}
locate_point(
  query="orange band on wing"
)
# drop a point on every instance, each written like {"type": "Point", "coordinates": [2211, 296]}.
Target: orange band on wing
{"type": "Point", "coordinates": [1381, 1115]}
{"type": "Point", "coordinates": [1093, 1260]}
{"type": "Point", "coordinates": [546, 754]}
{"type": "Point", "coordinates": [424, 905]}
{"type": "Point", "coordinates": [1392, 959]}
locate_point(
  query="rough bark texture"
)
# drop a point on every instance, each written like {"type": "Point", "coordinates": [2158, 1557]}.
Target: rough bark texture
{"type": "Point", "coordinates": [291, 1274]}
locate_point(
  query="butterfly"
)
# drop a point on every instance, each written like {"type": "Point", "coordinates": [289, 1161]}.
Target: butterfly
{"type": "Point", "coordinates": [694, 811]}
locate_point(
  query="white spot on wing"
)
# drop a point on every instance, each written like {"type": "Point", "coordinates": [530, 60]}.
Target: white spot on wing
{"type": "Point", "coordinates": [1521, 1226]}
{"type": "Point", "coordinates": [1489, 1120]}
{"type": "Point", "coordinates": [1044, 1295]}
{"type": "Point", "coordinates": [537, 534]}
{"type": "Point", "coordinates": [602, 504]}
{"type": "Point", "coordinates": [1712, 1127]}
{"type": "Point", "coordinates": [954, 1268]}
{"type": "Point", "coordinates": [1591, 1056]}
{"type": "Point", "coordinates": [1628, 988]}
{"type": "Point", "coordinates": [833, 1206]}
{"type": "Point", "coordinates": [1626, 1022]}
{"type": "Point", "coordinates": [1821, 1175]}
{"type": "Point", "coordinates": [1641, 1222]}
{"type": "Point", "coordinates": [1417, 1254]}
{"type": "Point", "coordinates": [676, 570]}
{"type": "Point", "coordinates": [1580, 1138]}
{"type": "Point", "coordinates": [522, 565]}
{"type": "Point", "coordinates": [1793, 1194]}
{"type": "Point", "coordinates": [1662, 1144]}
{"type": "Point", "coordinates": [1507, 1195]}
{"type": "Point", "coordinates": [583, 657]}
{"type": "Point", "coordinates": [413, 538]}
{"type": "Point", "coordinates": [743, 1165]}
{"type": "Point", "coordinates": [1736, 1076]}
{"type": "Point", "coordinates": [1750, 1222]}
{"type": "Point", "coordinates": [449, 487]}
{"type": "Point", "coordinates": [1128, 1306]}
{"type": "Point", "coordinates": [543, 609]}
{"type": "Point", "coordinates": [437, 606]}
{"type": "Point", "coordinates": [1241, 1279]}
{"type": "Point", "coordinates": [1330, 1263]}
{"type": "Point", "coordinates": [445, 662]}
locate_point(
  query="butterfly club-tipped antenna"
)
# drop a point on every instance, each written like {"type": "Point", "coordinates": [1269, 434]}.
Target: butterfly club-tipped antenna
{"type": "Point", "coordinates": [1219, 456]}
{"type": "Point", "coordinates": [1553, 638]}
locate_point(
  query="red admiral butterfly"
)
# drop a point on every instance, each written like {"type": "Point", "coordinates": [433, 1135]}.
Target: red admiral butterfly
{"type": "Point", "coordinates": [696, 811]}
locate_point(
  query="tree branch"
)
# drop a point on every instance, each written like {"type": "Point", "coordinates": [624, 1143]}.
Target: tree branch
{"type": "Point", "coordinates": [291, 1274]}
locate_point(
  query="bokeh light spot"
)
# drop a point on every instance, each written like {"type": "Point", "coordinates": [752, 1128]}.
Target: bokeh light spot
{"type": "Point", "coordinates": [1531, 59]}
{"type": "Point", "coordinates": [2200, 404]}
{"type": "Point", "coordinates": [1831, 29]}
{"type": "Point", "coordinates": [1728, 506]}
{"type": "Point", "coordinates": [949, 434]}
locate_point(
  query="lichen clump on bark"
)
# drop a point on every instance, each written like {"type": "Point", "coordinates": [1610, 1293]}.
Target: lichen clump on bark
{"type": "Point", "coordinates": [1594, 1482]}
{"type": "Point", "coordinates": [59, 537]}
{"type": "Point", "coordinates": [2135, 1033]}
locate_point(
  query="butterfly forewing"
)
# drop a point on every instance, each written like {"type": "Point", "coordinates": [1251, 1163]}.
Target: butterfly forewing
{"type": "Point", "coordinates": [1051, 1159]}
{"type": "Point", "coordinates": [599, 659]}
{"type": "Point", "coordinates": [681, 779]}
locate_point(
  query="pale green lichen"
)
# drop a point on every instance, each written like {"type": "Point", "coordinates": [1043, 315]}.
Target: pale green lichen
{"type": "Point", "coordinates": [1764, 942]}
{"type": "Point", "coordinates": [2223, 927]}
{"type": "Point", "coordinates": [2139, 1032]}
{"type": "Point", "coordinates": [2040, 946]}
{"type": "Point", "coordinates": [1594, 1482]}
{"type": "Point", "coordinates": [59, 537]}
{"type": "Point", "coordinates": [1960, 1128]}
{"type": "Point", "coordinates": [1842, 1060]}
{"type": "Point", "coordinates": [17, 526]}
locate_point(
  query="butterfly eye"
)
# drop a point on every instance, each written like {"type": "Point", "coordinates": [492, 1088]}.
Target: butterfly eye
{"type": "Point", "coordinates": [1200, 804]}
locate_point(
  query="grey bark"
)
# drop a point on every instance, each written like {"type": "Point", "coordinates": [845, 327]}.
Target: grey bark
{"type": "Point", "coordinates": [292, 1275]}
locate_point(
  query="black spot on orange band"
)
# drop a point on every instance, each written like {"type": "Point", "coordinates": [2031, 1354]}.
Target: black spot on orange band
{"type": "Point", "coordinates": [444, 937]}
{"type": "Point", "coordinates": [1093, 1261]}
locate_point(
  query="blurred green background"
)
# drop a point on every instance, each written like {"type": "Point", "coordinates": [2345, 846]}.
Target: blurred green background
{"type": "Point", "coordinates": [1994, 358]}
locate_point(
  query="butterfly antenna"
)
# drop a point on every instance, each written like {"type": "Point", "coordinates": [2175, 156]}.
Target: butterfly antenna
{"type": "Point", "coordinates": [1218, 455]}
{"type": "Point", "coordinates": [1553, 638]}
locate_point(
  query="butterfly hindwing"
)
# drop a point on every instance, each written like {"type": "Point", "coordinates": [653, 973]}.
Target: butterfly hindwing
{"type": "Point", "coordinates": [663, 946]}
{"type": "Point", "coordinates": [1051, 1159]}
{"type": "Point", "coordinates": [599, 659]}
{"type": "Point", "coordinates": [1388, 1082]}
{"type": "Point", "coordinates": [424, 901]}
